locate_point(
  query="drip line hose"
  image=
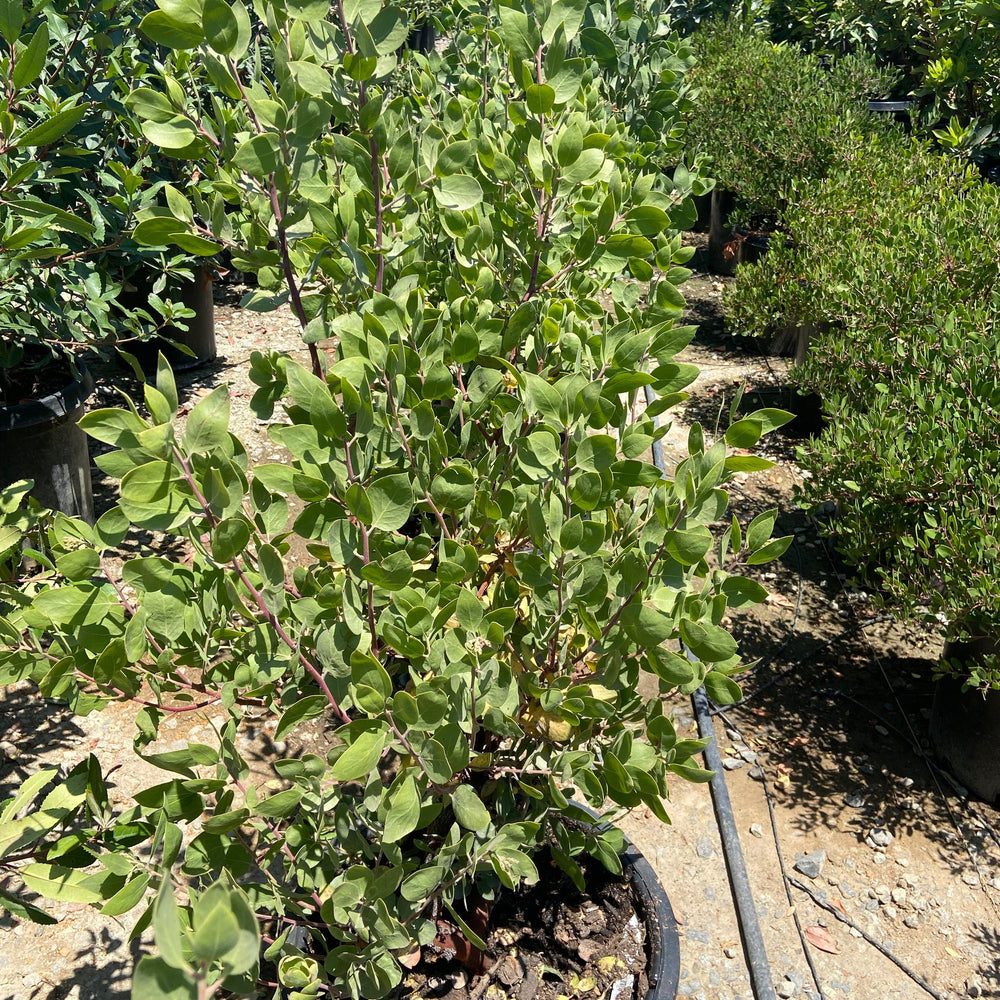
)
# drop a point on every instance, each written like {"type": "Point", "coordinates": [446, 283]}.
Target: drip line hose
{"type": "Point", "coordinates": [739, 882]}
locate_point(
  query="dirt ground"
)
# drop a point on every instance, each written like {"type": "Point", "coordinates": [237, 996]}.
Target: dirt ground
{"type": "Point", "coordinates": [832, 730]}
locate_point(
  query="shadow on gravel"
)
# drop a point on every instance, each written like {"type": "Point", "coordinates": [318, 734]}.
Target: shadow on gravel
{"type": "Point", "coordinates": [93, 981]}
{"type": "Point", "coordinates": [30, 726]}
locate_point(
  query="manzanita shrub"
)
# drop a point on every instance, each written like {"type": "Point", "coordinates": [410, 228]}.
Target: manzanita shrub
{"type": "Point", "coordinates": [484, 560]}
{"type": "Point", "coordinates": [897, 253]}
{"type": "Point", "coordinates": [768, 116]}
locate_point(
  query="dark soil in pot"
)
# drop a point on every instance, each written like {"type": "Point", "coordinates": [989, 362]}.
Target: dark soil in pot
{"type": "Point", "coordinates": [550, 940]}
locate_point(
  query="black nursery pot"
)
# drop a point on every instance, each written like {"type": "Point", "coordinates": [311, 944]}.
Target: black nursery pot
{"type": "Point", "coordinates": [965, 726]}
{"type": "Point", "coordinates": [199, 336]}
{"type": "Point", "coordinates": [899, 110]}
{"type": "Point", "coordinates": [40, 440]}
{"type": "Point", "coordinates": [664, 970]}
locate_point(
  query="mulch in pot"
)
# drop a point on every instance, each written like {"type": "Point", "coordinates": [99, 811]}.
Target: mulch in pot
{"type": "Point", "coordinates": [550, 942]}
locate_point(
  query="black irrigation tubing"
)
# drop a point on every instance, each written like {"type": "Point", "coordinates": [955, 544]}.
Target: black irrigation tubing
{"type": "Point", "coordinates": [746, 910]}
{"type": "Point", "coordinates": [781, 865]}
{"type": "Point", "coordinates": [739, 882]}
{"type": "Point", "coordinates": [843, 918]}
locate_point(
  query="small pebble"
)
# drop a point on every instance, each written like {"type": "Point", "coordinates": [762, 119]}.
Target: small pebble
{"type": "Point", "coordinates": [970, 878]}
{"type": "Point", "coordinates": [750, 756]}
{"type": "Point", "coordinates": [912, 921]}
{"type": "Point", "coordinates": [756, 772]}
{"type": "Point", "coordinates": [878, 859]}
{"type": "Point", "coordinates": [756, 830]}
{"type": "Point", "coordinates": [881, 730]}
{"type": "Point", "coordinates": [704, 847]}
{"type": "Point", "coordinates": [899, 897]}
{"type": "Point", "coordinates": [786, 988]}
{"type": "Point", "coordinates": [890, 911]}
{"type": "Point", "coordinates": [729, 952]}
{"type": "Point", "coordinates": [811, 865]}
{"type": "Point", "coordinates": [878, 837]}
{"type": "Point", "coordinates": [854, 800]}
{"type": "Point", "coordinates": [732, 763]}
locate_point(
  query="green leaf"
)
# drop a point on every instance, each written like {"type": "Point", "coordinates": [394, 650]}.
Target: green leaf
{"type": "Point", "coordinates": [259, 156]}
{"type": "Point", "coordinates": [458, 191]}
{"type": "Point", "coordinates": [128, 897]}
{"type": "Point", "coordinates": [772, 550]}
{"type": "Point", "coordinates": [11, 19]}
{"type": "Point", "coordinates": [759, 529]}
{"type": "Point", "coordinates": [422, 883]}
{"type": "Point", "coordinates": [741, 591]}
{"type": "Point", "coordinates": [542, 398]}
{"type": "Point", "coordinates": [31, 60]}
{"type": "Point", "coordinates": [744, 433]}
{"type": "Point", "coordinates": [167, 927]}
{"type": "Point", "coordinates": [469, 610]}
{"type": "Point", "coordinates": [215, 933]}
{"type": "Point", "coordinates": [164, 30]}
{"type": "Point", "coordinates": [392, 573]}
{"type": "Point", "coordinates": [154, 979]}
{"type": "Point", "coordinates": [689, 547]}
{"type": "Point", "coordinates": [403, 813]}
{"type": "Point", "coordinates": [454, 488]}
{"type": "Point", "coordinates": [311, 707]}
{"type": "Point", "coordinates": [229, 538]}
{"type": "Point", "coordinates": [280, 804]}
{"type": "Point", "coordinates": [221, 30]}
{"type": "Point", "coordinates": [709, 643]}
{"type": "Point", "coordinates": [647, 626]}
{"type": "Point", "coordinates": [67, 885]}
{"type": "Point", "coordinates": [26, 911]}
{"type": "Point", "coordinates": [469, 809]}
{"type": "Point", "coordinates": [721, 689]}
{"type": "Point", "coordinates": [208, 422]}
{"type": "Point", "coordinates": [391, 499]}
{"type": "Point", "coordinates": [597, 453]}
{"type": "Point", "coordinates": [360, 758]}
{"type": "Point", "coordinates": [55, 127]}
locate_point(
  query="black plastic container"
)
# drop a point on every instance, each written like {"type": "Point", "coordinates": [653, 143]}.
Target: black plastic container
{"type": "Point", "coordinates": [199, 337]}
{"type": "Point", "coordinates": [40, 440]}
{"type": "Point", "coordinates": [965, 725]}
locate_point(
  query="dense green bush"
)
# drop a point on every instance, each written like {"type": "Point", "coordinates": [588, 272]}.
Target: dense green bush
{"type": "Point", "coordinates": [75, 171]}
{"type": "Point", "coordinates": [948, 54]}
{"type": "Point", "coordinates": [899, 250]}
{"type": "Point", "coordinates": [491, 560]}
{"type": "Point", "coordinates": [768, 116]}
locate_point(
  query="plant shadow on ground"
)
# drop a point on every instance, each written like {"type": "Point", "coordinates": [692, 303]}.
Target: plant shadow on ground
{"type": "Point", "coordinates": [90, 980]}
{"type": "Point", "coordinates": [989, 937]}
{"type": "Point", "coordinates": [839, 704]}
{"type": "Point", "coordinates": [33, 727]}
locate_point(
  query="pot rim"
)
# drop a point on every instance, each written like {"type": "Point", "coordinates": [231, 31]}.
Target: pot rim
{"type": "Point", "coordinates": [49, 409]}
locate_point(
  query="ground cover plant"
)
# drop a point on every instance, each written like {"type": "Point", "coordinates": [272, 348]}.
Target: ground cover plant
{"type": "Point", "coordinates": [896, 253]}
{"type": "Point", "coordinates": [491, 561]}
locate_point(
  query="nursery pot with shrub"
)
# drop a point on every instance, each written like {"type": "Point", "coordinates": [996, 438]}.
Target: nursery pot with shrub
{"type": "Point", "coordinates": [766, 117]}
{"type": "Point", "coordinates": [484, 560]}
{"type": "Point", "coordinates": [70, 192]}
{"type": "Point", "coordinates": [911, 361]}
